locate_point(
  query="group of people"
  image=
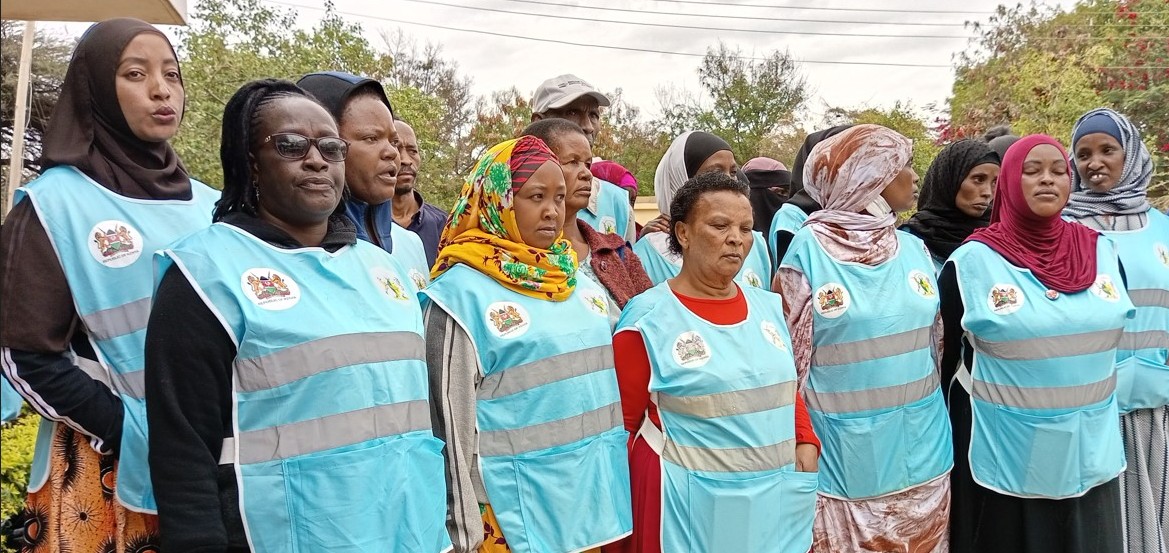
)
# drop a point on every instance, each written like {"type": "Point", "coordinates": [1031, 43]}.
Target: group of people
{"type": "Point", "coordinates": [315, 359]}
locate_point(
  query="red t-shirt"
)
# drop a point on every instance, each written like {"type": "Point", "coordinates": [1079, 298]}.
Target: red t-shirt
{"type": "Point", "coordinates": [633, 371]}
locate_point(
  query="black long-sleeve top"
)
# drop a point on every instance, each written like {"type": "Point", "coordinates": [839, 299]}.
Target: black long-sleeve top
{"type": "Point", "coordinates": [189, 359]}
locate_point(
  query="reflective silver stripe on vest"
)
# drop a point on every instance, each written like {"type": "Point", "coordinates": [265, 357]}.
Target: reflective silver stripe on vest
{"type": "Point", "coordinates": [118, 321]}
{"type": "Point", "coordinates": [734, 459]}
{"type": "Point", "coordinates": [550, 434]}
{"type": "Point", "coordinates": [725, 404]}
{"type": "Point", "coordinates": [1149, 297]}
{"type": "Point", "coordinates": [872, 348]}
{"type": "Point", "coordinates": [132, 384]}
{"type": "Point", "coordinates": [874, 398]}
{"type": "Point", "coordinates": [546, 371]}
{"type": "Point", "coordinates": [1047, 347]}
{"type": "Point", "coordinates": [1145, 339]}
{"type": "Point", "coordinates": [301, 438]}
{"type": "Point", "coordinates": [325, 354]}
{"type": "Point", "coordinates": [1061, 397]}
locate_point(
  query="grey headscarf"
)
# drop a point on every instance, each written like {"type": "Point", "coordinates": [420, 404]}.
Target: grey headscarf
{"type": "Point", "coordinates": [1130, 195]}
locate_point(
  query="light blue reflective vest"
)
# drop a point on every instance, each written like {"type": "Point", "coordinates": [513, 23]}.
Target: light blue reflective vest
{"type": "Point", "coordinates": [726, 397]}
{"type": "Point", "coordinates": [332, 449]}
{"type": "Point", "coordinates": [756, 270]}
{"type": "Point", "coordinates": [1142, 377]}
{"type": "Point", "coordinates": [872, 389]}
{"type": "Point", "coordinates": [552, 443]}
{"type": "Point", "coordinates": [10, 401]}
{"type": "Point", "coordinates": [104, 242]}
{"type": "Point", "coordinates": [610, 211]}
{"type": "Point", "coordinates": [411, 254]}
{"type": "Point", "coordinates": [1042, 388]}
{"type": "Point", "coordinates": [790, 218]}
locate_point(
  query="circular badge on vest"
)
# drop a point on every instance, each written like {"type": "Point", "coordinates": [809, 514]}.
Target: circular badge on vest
{"type": "Point", "coordinates": [595, 302]}
{"type": "Point", "coordinates": [608, 225]}
{"type": "Point", "coordinates": [921, 284]}
{"type": "Point", "coordinates": [389, 284]}
{"type": "Point", "coordinates": [418, 278]}
{"type": "Point", "coordinates": [115, 244]}
{"type": "Point", "coordinates": [1162, 253]}
{"type": "Point", "coordinates": [1005, 299]}
{"type": "Point", "coordinates": [772, 335]}
{"type": "Point", "coordinates": [507, 319]}
{"type": "Point", "coordinates": [270, 289]}
{"type": "Point", "coordinates": [831, 300]}
{"type": "Point", "coordinates": [690, 350]}
{"type": "Point", "coordinates": [1105, 289]}
{"type": "Point", "coordinates": [751, 278]}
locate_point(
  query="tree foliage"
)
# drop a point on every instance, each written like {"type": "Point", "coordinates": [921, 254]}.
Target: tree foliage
{"type": "Point", "coordinates": [901, 118]}
{"type": "Point", "coordinates": [748, 102]}
{"type": "Point", "coordinates": [1040, 68]}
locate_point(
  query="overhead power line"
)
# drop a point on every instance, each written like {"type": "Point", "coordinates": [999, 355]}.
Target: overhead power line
{"type": "Point", "coordinates": [799, 20]}
{"type": "Point", "coordinates": [594, 45]}
{"type": "Point", "coordinates": [688, 27]}
{"type": "Point", "coordinates": [881, 10]}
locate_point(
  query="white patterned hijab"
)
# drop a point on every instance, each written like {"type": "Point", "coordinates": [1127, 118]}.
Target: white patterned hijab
{"type": "Point", "coordinates": [1130, 195]}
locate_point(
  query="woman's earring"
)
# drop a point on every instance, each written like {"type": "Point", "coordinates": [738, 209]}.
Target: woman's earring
{"type": "Point", "coordinates": [256, 188]}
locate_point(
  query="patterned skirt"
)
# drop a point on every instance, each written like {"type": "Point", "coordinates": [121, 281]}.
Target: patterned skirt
{"type": "Point", "coordinates": [76, 511]}
{"type": "Point", "coordinates": [1144, 485]}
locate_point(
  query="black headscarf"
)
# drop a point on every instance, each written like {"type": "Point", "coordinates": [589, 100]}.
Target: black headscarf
{"type": "Point", "coordinates": [88, 129]}
{"type": "Point", "coordinates": [764, 201]}
{"type": "Point", "coordinates": [938, 220]}
{"type": "Point", "coordinates": [334, 88]}
{"type": "Point", "coordinates": [797, 196]}
{"type": "Point", "coordinates": [699, 147]}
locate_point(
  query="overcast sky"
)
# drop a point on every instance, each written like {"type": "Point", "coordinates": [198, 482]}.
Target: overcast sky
{"type": "Point", "coordinates": [499, 62]}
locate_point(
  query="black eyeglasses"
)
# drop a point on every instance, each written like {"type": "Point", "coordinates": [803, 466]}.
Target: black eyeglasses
{"type": "Point", "coordinates": [295, 146]}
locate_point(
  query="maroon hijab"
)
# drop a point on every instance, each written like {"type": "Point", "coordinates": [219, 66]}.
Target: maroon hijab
{"type": "Point", "coordinates": [88, 130]}
{"type": "Point", "coordinates": [1060, 254]}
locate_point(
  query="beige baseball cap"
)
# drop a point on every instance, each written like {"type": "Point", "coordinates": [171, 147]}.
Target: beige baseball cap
{"type": "Point", "coordinates": [558, 92]}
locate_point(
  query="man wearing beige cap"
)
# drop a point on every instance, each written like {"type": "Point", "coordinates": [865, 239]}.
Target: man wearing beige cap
{"type": "Point", "coordinates": [572, 98]}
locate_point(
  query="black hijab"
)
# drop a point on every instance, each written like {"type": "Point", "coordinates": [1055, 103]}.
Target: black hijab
{"type": "Point", "coordinates": [699, 147]}
{"type": "Point", "coordinates": [764, 201]}
{"type": "Point", "coordinates": [938, 220]}
{"type": "Point", "coordinates": [89, 131]}
{"type": "Point", "coordinates": [797, 195]}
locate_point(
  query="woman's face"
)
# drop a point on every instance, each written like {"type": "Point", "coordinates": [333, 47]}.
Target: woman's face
{"type": "Point", "coordinates": [296, 192]}
{"type": "Point", "coordinates": [539, 206]}
{"type": "Point", "coordinates": [902, 192]}
{"type": "Point", "coordinates": [722, 161]}
{"type": "Point", "coordinates": [1100, 161]}
{"type": "Point", "coordinates": [1046, 183]}
{"type": "Point", "coordinates": [716, 236]}
{"type": "Point", "coordinates": [575, 155]}
{"type": "Point", "coordinates": [150, 88]}
{"type": "Point", "coordinates": [977, 190]}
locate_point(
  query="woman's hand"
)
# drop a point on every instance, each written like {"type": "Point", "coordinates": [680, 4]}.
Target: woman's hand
{"type": "Point", "coordinates": [807, 458]}
{"type": "Point", "coordinates": [661, 223]}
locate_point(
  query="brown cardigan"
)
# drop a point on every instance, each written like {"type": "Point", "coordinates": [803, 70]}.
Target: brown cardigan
{"type": "Point", "coordinates": [615, 264]}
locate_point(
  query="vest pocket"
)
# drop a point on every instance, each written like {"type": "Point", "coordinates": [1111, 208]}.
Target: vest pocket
{"type": "Point", "coordinates": [1141, 383]}
{"type": "Point", "coordinates": [572, 499]}
{"type": "Point", "coordinates": [929, 444]}
{"type": "Point", "coordinates": [730, 513]}
{"type": "Point", "coordinates": [862, 455]}
{"type": "Point", "coordinates": [387, 492]}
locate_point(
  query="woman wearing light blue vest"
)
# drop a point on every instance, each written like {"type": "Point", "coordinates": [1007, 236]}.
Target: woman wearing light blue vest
{"type": "Point", "coordinates": [1034, 307]}
{"type": "Point", "coordinates": [284, 359]}
{"type": "Point", "coordinates": [521, 364]}
{"type": "Point", "coordinates": [1112, 169]}
{"type": "Point", "coordinates": [78, 283]}
{"type": "Point", "coordinates": [723, 459]}
{"type": "Point", "coordinates": [803, 199]}
{"type": "Point", "coordinates": [863, 315]}
{"type": "Point", "coordinates": [691, 153]}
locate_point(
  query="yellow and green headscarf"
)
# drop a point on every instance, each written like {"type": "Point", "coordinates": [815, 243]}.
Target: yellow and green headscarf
{"type": "Point", "coordinates": [482, 232]}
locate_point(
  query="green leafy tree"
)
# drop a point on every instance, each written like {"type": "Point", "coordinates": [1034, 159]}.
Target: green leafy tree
{"type": "Point", "coordinates": [901, 118]}
{"type": "Point", "coordinates": [231, 42]}
{"type": "Point", "coordinates": [748, 102]}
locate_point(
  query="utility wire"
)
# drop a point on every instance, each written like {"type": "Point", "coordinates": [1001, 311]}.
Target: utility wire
{"type": "Point", "coordinates": [797, 20]}
{"type": "Point", "coordinates": [362, 16]}
{"type": "Point", "coordinates": [882, 10]}
{"type": "Point", "coordinates": [688, 27]}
